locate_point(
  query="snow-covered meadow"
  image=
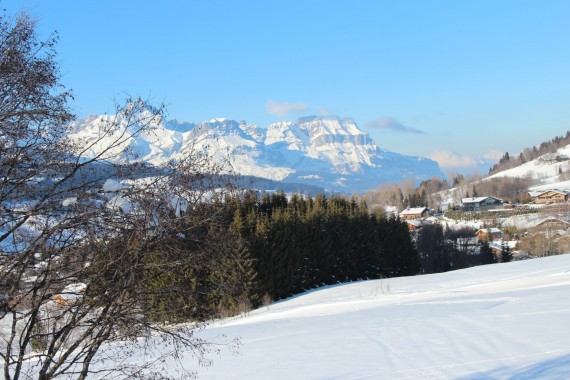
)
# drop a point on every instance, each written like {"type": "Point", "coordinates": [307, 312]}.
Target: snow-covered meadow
{"type": "Point", "coordinates": [502, 321]}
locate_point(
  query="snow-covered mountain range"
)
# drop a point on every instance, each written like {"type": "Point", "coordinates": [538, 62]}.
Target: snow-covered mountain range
{"type": "Point", "coordinates": [331, 152]}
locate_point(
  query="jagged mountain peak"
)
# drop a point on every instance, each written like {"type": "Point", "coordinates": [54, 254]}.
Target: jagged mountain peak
{"type": "Point", "coordinates": [329, 125]}
{"type": "Point", "coordinates": [226, 127]}
{"type": "Point", "coordinates": [179, 125]}
{"type": "Point", "coordinates": [327, 151]}
{"type": "Point", "coordinates": [140, 105]}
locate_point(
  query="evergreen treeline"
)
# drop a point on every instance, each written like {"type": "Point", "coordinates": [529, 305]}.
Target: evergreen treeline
{"type": "Point", "coordinates": [443, 250]}
{"type": "Point", "coordinates": [271, 247]}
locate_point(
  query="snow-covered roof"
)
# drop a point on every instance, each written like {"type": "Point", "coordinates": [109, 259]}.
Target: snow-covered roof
{"type": "Point", "coordinates": [414, 211]}
{"type": "Point", "coordinates": [555, 156]}
{"type": "Point", "coordinates": [476, 199]}
{"type": "Point", "coordinates": [552, 219]}
{"type": "Point", "coordinates": [473, 200]}
{"type": "Point", "coordinates": [563, 192]}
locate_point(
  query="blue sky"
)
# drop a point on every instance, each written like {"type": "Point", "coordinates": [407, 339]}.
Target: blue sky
{"type": "Point", "coordinates": [422, 77]}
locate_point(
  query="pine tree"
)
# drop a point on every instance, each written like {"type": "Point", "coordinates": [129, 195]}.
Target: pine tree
{"type": "Point", "coordinates": [506, 254]}
{"type": "Point", "coordinates": [487, 255]}
{"type": "Point", "coordinates": [232, 278]}
{"type": "Point", "coordinates": [409, 258]}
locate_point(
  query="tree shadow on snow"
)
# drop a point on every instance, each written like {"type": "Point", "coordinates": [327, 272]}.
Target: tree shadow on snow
{"type": "Point", "coordinates": [557, 368]}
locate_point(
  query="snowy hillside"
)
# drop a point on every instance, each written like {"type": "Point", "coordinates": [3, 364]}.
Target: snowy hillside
{"type": "Point", "coordinates": [545, 169]}
{"type": "Point", "coordinates": [493, 322]}
{"type": "Point", "coordinates": [330, 152]}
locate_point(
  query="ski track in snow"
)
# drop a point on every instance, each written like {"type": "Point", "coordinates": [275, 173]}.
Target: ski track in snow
{"type": "Point", "coordinates": [503, 321]}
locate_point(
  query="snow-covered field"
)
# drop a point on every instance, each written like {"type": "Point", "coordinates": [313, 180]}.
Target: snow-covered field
{"type": "Point", "coordinates": [502, 321]}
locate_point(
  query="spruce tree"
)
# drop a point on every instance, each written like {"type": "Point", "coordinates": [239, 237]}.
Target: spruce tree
{"type": "Point", "coordinates": [232, 278]}
{"type": "Point", "coordinates": [487, 255]}
{"type": "Point", "coordinates": [506, 254]}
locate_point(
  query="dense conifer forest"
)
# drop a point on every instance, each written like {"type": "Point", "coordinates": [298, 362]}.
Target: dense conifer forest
{"type": "Point", "coordinates": [264, 248]}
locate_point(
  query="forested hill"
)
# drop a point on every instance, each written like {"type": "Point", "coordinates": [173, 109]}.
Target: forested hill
{"type": "Point", "coordinates": [509, 161]}
{"type": "Point", "coordinates": [271, 247]}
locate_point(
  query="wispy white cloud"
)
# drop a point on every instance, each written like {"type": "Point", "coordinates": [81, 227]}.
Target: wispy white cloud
{"type": "Point", "coordinates": [449, 159]}
{"type": "Point", "coordinates": [493, 155]}
{"type": "Point", "coordinates": [282, 109]}
{"type": "Point", "coordinates": [391, 124]}
{"type": "Point", "coordinates": [323, 111]}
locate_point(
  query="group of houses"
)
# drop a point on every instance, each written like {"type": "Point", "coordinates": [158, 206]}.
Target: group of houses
{"type": "Point", "coordinates": [487, 203]}
{"type": "Point", "coordinates": [550, 227]}
{"type": "Point", "coordinates": [542, 197]}
{"type": "Point", "coordinates": [467, 204]}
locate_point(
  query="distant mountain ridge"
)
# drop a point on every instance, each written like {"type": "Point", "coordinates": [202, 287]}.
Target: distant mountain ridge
{"type": "Point", "coordinates": [330, 152]}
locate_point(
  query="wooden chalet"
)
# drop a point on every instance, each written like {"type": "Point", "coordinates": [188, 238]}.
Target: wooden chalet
{"type": "Point", "coordinates": [414, 213]}
{"type": "Point", "coordinates": [489, 234]}
{"type": "Point", "coordinates": [70, 294]}
{"type": "Point", "coordinates": [551, 196]}
{"type": "Point", "coordinates": [480, 203]}
{"type": "Point", "coordinates": [553, 224]}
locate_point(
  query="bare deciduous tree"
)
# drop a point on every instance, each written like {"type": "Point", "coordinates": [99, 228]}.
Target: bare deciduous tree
{"type": "Point", "coordinates": [74, 240]}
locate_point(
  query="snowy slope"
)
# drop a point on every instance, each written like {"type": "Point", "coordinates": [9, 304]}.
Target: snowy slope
{"type": "Point", "coordinates": [503, 321]}
{"type": "Point", "coordinates": [545, 169]}
{"type": "Point", "coordinates": [330, 152]}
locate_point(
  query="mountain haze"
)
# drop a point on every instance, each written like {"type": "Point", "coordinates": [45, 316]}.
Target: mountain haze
{"type": "Point", "coordinates": [331, 152]}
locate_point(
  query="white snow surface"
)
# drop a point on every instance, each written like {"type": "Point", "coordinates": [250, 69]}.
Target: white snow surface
{"type": "Point", "coordinates": [501, 321]}
{"type": "Point", "coordinates": [112, 185]}
{"type": "Point", "coordinates": [69, 201]}
{"type": "Point", "coordinates": [545, 168]}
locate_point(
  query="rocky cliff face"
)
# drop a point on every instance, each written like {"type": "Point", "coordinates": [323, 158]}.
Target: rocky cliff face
{"type": "Point", "coordinates": [330, 152]}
